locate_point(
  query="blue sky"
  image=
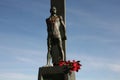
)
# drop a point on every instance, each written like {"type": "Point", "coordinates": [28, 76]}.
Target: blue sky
{"type": "Point", "coordinates": [93, 37]}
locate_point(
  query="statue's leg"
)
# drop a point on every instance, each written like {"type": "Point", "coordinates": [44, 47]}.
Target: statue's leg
{"type": "Point", "coordinates": [49, 51]}
{"type": "Point", "coordinates": [48, 58]}
{"type": "Point", "coordinates": [61, 49]}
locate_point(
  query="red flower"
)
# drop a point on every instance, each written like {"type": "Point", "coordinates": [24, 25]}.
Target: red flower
{"type": "Point", "coordinates": [74, 66]}
{"type": "Point", "coordinates": [62, 63]}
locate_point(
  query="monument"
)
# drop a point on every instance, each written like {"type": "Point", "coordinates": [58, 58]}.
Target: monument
{"type": "Point", "coordinates": [59, 69]}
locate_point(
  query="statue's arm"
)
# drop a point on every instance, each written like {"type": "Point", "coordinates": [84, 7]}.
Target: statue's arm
{"type": "Point", "coordinates": [48, 38]}
{"type": "Point", "coordinates": [64, 27]}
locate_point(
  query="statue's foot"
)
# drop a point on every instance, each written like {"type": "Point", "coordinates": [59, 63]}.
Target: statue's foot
{"type": "Point", "coordinates": [48, 65]}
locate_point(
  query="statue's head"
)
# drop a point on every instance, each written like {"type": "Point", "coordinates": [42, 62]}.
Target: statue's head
{"type": "Point", "coordinates": [53, 10]}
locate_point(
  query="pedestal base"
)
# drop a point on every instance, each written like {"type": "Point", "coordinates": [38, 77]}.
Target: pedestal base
{"type": "Point", "coordinates": [55, 73]}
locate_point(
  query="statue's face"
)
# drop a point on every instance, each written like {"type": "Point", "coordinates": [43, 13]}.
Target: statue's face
{"type": "Point", "coordinates": [53, 10]}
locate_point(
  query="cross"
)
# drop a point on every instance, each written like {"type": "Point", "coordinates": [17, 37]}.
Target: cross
{"type": "Point", "coordinates": [60, 5]}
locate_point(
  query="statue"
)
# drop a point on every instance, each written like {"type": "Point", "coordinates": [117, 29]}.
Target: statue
{"type": "Point", "coordinates": [54, 22]}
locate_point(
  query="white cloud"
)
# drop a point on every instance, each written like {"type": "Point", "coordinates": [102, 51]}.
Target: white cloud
{"type": "Point", "coordinates": [99, 38]}
{"type": "Point", "coordinates": [17, 76]}
{"type": "Point", "coordinates": [26, 60]}
{"type": "Point", "coordinates": [95, 38]}
{"type": "Point", "coordinates": [22, 56]}
{"type": "Point", "coordinates": [14, 50]}
{"type": "Point", "coordinates": [97, 63]}
{"type": "Point", "coordinates": [114, 67]}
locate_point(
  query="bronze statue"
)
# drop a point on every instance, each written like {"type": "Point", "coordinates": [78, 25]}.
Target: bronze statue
{"type": "Point", "coordinates": [54, 22]}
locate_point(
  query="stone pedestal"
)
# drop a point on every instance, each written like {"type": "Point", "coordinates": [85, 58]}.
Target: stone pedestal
{"type": "Point", "coordinates": [55, 73]}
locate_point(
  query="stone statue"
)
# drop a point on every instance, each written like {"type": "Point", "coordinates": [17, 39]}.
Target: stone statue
{"type": "Point", "coordinates": [54, 22]}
